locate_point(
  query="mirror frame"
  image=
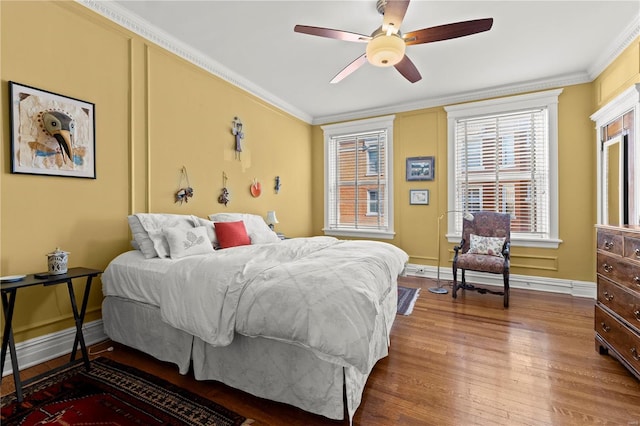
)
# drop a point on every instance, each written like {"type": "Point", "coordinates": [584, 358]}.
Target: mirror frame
{"type": "Point", "coordinates": [623, 185]}
{"type": "Point", "coordinates": [626, 101]}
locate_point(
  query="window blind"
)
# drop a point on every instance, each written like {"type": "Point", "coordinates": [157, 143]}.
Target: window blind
{"type": "Point", "coordinates": [502, 165]}
{"type": "Point", "coordinates": [357, 176]}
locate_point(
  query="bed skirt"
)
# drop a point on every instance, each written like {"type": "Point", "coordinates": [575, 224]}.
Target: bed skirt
{"type": "Point", "coordinates": [266, 368]}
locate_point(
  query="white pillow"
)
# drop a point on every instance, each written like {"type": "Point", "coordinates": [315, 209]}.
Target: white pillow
{"type": "Point", "coordinates": [147, 230]}
{"type": "Point", "coordinates": [188, 241]}
{"type": "Point", "coordinates": [486, 245]}
{"type": "Point", "coordinates": [141, 237]}
{"type": "Point", "coordinates": [211, 232]}
{"type": "Point", "coordinates": [257, 229]}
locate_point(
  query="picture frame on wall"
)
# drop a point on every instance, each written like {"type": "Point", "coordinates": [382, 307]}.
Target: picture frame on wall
{"type": "Point", "coordinates": [51, 134]}
{"type": "Point", "coordinates": [419, 197]}
{"type": "Point", "coordinates": [420, 168]}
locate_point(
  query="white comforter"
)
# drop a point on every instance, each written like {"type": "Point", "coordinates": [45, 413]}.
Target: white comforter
{"type": "Point", "coordinates": [320, 292]}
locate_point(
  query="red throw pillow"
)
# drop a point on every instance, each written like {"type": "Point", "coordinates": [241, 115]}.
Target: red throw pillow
{"type": "Point", "coordinates": [231, 234]}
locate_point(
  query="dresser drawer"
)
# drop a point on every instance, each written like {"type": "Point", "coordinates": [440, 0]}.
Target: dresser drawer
{"type": "Point", "coordinates": [620, 270]}
{"type": "Point", "coordinates": [632, 248]}
{"type": "Point", "coordinates": [621, 301]}
{"type": "Point", "coordinates": [624, 341]}
{"type": "Point", "coordinates": [610, 241]}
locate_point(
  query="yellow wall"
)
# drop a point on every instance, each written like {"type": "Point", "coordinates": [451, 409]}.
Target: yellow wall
{"type": "Point", "coordinates": [424, 133]}
{"type": "Point", "coordinates": [154, 114]}
{"type": "Point", "coordinates": [617, 77]}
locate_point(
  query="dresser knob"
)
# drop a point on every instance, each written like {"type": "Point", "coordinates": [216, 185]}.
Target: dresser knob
{"type": "Point", "coordinates": [637, 252]}
{"type": "Point", "coordinates": [609, 268]}
{"type": "Point", "coordinates": [636, 280]}
{"type": "Point", "coordinates": [637, 314]}
{"type": "Point", "coordinates": [634, 354]}
{"type": "Point", "coordinates": [608, 245]}
{"type": "Point", "coordinates": [608, 296]}
{"type": "Point", "coordinates": [605, 327]}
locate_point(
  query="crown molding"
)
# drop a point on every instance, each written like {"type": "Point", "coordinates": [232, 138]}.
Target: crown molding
{"type": "Point", "coordinates": [494, 92]}
{"type": "Point", "coordinates": [134, 23]}
{"type": "Point", "coordinates": [624, 40]}
{"type": "Point", "coordinates": [121, 16]}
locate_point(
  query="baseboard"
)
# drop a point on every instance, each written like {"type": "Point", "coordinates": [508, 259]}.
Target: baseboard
{"type": "Point", "coordinates": [553, 285]}
{"type": "Point", "coordinates": [44, 348]}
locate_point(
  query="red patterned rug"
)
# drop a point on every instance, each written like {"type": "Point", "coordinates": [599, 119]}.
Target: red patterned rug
{"type": "Point", "coordinates": [111, 393]}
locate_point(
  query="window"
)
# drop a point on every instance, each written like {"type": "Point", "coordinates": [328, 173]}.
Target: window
{"type": "Point", "coordinates": [358, 178]}
{"type": "Point", "coordinates": [372, 202]}
{"type": "Point", "coordinates": [372, 157]}
{"type": "Point", "coordinates": [505, 160]}
{"type": "Point", "coordinates": [474, 153]}
{"type": "Point", "coordinates": [474, 200]}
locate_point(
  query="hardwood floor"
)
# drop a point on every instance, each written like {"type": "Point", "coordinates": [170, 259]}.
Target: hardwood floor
{"type": "Point", "coordinates": [462, 362]}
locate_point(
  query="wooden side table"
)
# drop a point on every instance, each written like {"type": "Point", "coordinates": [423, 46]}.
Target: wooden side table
{"type": "Point", "coordinates": [9, 293]}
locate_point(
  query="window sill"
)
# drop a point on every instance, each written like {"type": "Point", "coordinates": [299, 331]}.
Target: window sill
{"type": "Point", "coordinates": [369, 233]}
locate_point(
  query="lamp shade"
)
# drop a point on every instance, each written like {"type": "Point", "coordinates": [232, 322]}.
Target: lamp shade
{"type": "Point", "coordinates": [385, 50]}
{"type": "Point", "coordinates": [271, 218]}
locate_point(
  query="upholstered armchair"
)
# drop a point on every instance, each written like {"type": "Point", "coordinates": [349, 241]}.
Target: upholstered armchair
{"type": "Point", "coordinates": [484, 248]}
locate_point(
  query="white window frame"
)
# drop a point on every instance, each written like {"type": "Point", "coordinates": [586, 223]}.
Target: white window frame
{"type": "Point", "coordinates": [370, 163]}
{"type": "Point", "coordinates": [377, 202]}
{"type": "Point", "coordinates": [361, 126]}
{"type": "Point", "coordinates": [547, 99]}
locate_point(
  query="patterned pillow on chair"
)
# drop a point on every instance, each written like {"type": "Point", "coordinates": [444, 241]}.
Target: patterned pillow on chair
{"type": "Point", "coordinates": [486, 245]}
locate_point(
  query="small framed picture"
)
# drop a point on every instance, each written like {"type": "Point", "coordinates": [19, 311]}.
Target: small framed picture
{"type": "Point", "coordinates": [420, 168]}
{"type": "Point", "coordinates": [51, 134]}
{"type": "Point", "coordinates": [419, 196]}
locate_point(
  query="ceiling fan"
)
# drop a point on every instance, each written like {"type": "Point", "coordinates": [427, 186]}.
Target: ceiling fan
{"type": "Point", "coordinates": [386, 45]}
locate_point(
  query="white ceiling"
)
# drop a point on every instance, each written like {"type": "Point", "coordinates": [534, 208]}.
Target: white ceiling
{"type": "Point", "coordinates": [533, 45]}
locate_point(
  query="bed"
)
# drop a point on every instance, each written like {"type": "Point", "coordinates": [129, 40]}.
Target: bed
{"type": "Point", "coordinates": [300, 321]}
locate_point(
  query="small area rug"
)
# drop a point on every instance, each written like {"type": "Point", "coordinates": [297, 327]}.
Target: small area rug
{"type": "Point", "coordinates": [406, 299]}
{"type": "Point", "coordinates": [111, 394]}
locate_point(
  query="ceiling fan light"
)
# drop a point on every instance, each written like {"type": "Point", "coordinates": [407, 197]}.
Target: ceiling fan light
{"type": "Point", "coordinates": [385, 50]}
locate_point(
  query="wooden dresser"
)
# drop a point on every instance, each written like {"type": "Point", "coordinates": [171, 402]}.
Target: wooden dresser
{"type": "Point", "coordinates": [617, 311]}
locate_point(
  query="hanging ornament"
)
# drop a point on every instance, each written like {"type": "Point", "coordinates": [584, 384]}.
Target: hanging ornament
{"type": "Point", "coordinates": [256, 188]}
{"type": "Point", "coordinates": [278, 184]}
{"type": "Point", "coordinates": [224, 197]}
{"type": "Point", "coordinates": [239, 134]}
{"type": "Point", "coordinates": [185, 192]}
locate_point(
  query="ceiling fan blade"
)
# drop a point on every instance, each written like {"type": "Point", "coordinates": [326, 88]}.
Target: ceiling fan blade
{"type": "Point", "coordinates": [394, 12]}
{"type": "Point", "coordinates": [350, 68]}
{"type": "Point", "coordinates": [329, 33]}
{"type": "Point", "coordinates": [408, 69]}
{"type": "Point", "coordinates": [448, 31]}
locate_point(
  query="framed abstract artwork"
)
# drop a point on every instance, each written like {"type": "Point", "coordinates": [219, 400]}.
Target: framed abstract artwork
{"type": "Point", "coordinates": [51, 134]}
{"type": "Point", "coordinates": [420, 168]}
